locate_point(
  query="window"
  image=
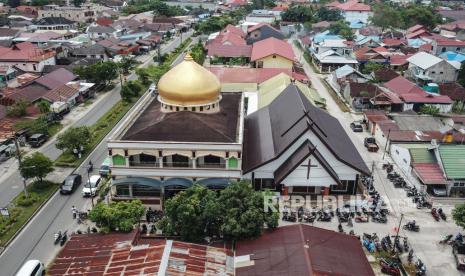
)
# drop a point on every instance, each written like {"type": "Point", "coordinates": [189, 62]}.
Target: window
{"type": "Point", "coordinates": [36, 269]}
{"type": "Point", "coordinates": [122, 190]}
{"type": "Point", "coordinates": [433, 72]}
{"type": "Point", "coordinates": [274, 56]}
{"type": "Point", "coordinates": [441, 73]}
{"type": "Point", "coordinates": [458, 49]}
{"type": "Point", "coordinates": [443, 49]}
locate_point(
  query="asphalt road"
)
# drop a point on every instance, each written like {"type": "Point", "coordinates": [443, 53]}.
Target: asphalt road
{"type": "Point", "coordinates": [36, 239]}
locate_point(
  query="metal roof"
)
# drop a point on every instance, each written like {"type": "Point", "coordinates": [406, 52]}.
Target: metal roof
{"type": "Point", "coordinates": [422, 155]}
{"type": "Point", "coordinates": [453, 160]}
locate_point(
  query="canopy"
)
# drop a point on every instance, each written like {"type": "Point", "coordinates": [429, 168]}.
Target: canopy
{"type": "Point", "coordinates": [177, 182]}
{"type": "Point", "coordinates": [143, 181]}
{"type": "Point", "coordinates": [212, 183]}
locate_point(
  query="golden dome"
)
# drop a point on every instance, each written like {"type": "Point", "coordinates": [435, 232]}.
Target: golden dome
{"type": "Point", "coordinates": [189, 83]}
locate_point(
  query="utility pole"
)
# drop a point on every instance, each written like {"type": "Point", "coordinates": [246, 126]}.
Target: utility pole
{"type": "Point", "coordinates": [387, 142]}
{"type": "Point", "coordinates": [398, 229]}
{"type": "Point", "coordinates": [18, 155]}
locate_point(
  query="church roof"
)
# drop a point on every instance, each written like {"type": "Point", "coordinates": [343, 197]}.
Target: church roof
{"type": "Point", "coordinates": [187, 126]}
{"type": "Point", "coordinates": [270, 131]}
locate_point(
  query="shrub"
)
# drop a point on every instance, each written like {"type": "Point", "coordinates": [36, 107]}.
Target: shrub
{"type": "Point", "coordinates": [24, 201]}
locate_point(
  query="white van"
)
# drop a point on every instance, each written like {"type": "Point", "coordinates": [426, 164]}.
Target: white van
{"type": "Point", "coordinates": [32, 268]}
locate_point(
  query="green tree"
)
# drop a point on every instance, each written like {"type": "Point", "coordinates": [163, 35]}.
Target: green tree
{"type": "Point", "coordinates": [215, 24]}
{"type": "Point", "coordinates": [39, 3]}
{"type": "Point", "coordinates": [36, 166]}
{"type": "Point", "coordinates": [126, 64]}
{"type": "Point", "coordinates": [325, 14]}
{"type": "Point", "coordinates": [298, 13]}
{"type": "Point", "coordinates": [18, 109]}
{"type": "Point", "coordinates": [143, 76]}
{"type": "Point", "coordinates": [44, 106]}
{"type": "Point", "coordinates": [198, 53]}
{"type": "Point", "coordinates": [243, 212]}
{"type": "Point", "coordinates": [420, 14]}
{"type": "Point", "coordinates": [458, 214]}
{"type": "Point", "coordinates": [429, 110]}
{"type": "Point", "coordinates": [100, 73]}
{"type": "Point", "coordinates": [192, 214]}
{"type": "Point", "coordinates": [74, 138]}
{"type": "Point", "coordinates": [117, 216]}
{"type": "Point", "coordinates": [341, 28]}
{"type": "Point", "coordinates": [386, 16]}
{"type": "Point", "coordinates": [371, 66]}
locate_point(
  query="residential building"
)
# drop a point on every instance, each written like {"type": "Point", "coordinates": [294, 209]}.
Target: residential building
{"type": "Point", "coordinates": [425, 68]}
{"type": "Point", "coordinates": [358, 95]}
{"type": "Point", "coordinates": [330, 60]}
{"type": "Point", "coordinates": [301, 249]}
{"type": "Point", "coordinates": [454, 30]}
{"type": "Point", "coordinates": [353, 10]}
{"type": "Point", "coordinates": [344, 74]}
{"type": "Point", "coordinates": [293, 147]}
{"type": "Point", "coordinates": [94, 51]}
{"type": "Point", "coordinates": [376, 55]}
{"type": "Point", "coordinates": [101, 32]}
{"type": "Point", "coordinates": [272, 53]}
{"type": "Point", "coordinates": [27, 57]}
{"type": "Point", "coordinates": [70, 93]}
{"type": "Point", "coordinates": [53, 24]}
{"type": "Point", "coordinates": [85, 13]}
{"type": "Point", "coordinates": [262, 31]}
{"type": "Point", "coordinates": [440, 46]}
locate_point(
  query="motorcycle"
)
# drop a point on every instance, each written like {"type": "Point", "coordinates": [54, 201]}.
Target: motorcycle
{"type": "Point", "coordinates": [379, 218]}
{"type": "Point", "coordinates": [292, 217]}
{"type": "Point", "coordinates": [339, 227]}
{"type": "Point", "coordinates": [410, 256]}
{"type": "Point", "coordinates": [446, 239]}
{"type": "Point", "coordinates": [389, 267]}
{"type": "Point", "coordinates": [406, 247]}
{"type": "Point", "coordinates": [309, 218]}
{"type": "Point", "coordinates": [411, 226]}
{"type": "Point", "coordinates": [361, 219]}
{"type": "Point", "coordinates": [57, 237]}
{"type": "Point", "coordinates": [435, 214]}
{"type": "Point", "coordinates": [421, 268]}
{"type": "Point", "coordinates": [442, 214]}
{"type": "Point", "coordinates": [64, 238]}
{"type": "Point", "coordinates": [397, 245]}
{"type": "Point", "coordinates": [323, 216]}
{"type": "Point", "coordinates": [143, 231]}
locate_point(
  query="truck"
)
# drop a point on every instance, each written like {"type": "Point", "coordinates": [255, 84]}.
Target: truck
{"type": "Point", "coordinates": [370, 144]}
{"type": "Point", "coordinates": [60, 108]}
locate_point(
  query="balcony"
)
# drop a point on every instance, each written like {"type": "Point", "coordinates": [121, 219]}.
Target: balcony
{"type": "Point", "coordinates": [143, 164]}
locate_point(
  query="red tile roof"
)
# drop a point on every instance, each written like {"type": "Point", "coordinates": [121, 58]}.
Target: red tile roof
{"type": "Point", "coordinates": [391, 42]}
{"type": "Point", "coordinates": [259, 25]}
{"type": "Point", "coordinates": [103, 21]}
{"type": "Point", "coordinates": [300, 249]}
{"type": "Point", "coordinates": [56, 78]}
{"type": "Point", "coordinates": [411, 93]}
{"type": "Point", "coordinates": [398, 60]}
{"type": "Point", "coordinates": [25, 51]}
{"type": "Point", "coordinates": [229, 50]}
{"type": "Point", "coordinates": [449, 42]}
{"type": "Point", "coordinates": [426, 48]}
{"type": "Point", "coordinates": [429, 173]}
{"type": "Point", "coordinates": [415, 28]}
{"type": "Point", "coordinates": [351, 5]}
{"type": "Point", "coordinates": [272, 46]}
{"type": "Point", "coordinates": [454, 90]}
{"type": "Point", "coordinates": [419, 33]}
{"type": "Point", "coordinates": [251, 75]}
{"type": "Point", "coordinates": [61, 94]}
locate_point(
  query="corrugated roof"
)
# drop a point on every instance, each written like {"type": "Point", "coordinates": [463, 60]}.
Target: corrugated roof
{"type": "Point", "coordinates": [453, 160]}
{"type": "Point", "coordinates": [424, 60]}
{"type": "Point", "coordinates": [272, 46]}
{"type": "Point", "coordinates": [422, 155]}
{"type": "Point", "coordinates": [429, 173]}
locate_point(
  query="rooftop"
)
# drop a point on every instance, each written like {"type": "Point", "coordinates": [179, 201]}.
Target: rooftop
{"type": "Point", "coordinates": [453, 160]}
{"type": "Point", "coordinates": [272, 46]}
{"type": "Point", "coordinates": [185, 126]}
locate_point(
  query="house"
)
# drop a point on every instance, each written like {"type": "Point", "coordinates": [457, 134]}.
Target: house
{"type": "Point", "coordinates": [453, 56]}
{"type": "Point", "coordinates": [7, 73]}
{"type": "Point", "coordinates": [100, 32]}
{"type": "Point", "coordinates": [272, 53]}
{"type": "Point", "coordinates": [384, 75]}
{"type": "Point", "coordinates": [424, 68]}
{"type": "Point", "coordinates": [339, 46]}
{"type": "Point", "coordinates": [229, 43]}
{"type": "Point", "coordinates": [71, 93]}
{"type": "Point", "coordinates": [27, 57]}
{"type": "Point", "coordinates": [398, 61]}
{"type": "Point", "coordinates": [294, 147]}
{"type": "Point", "coordinates": [352, 10]}
{"type": "Point", "coordinates": [376, 55]}
{"type": "Point", "coordinates": [119, 47]}
{"type": "Point", "coordinates": [393, 43]}
{"type": "Point", "coordinates": [454, 30]}
{"type": "Point", "coordinates": [85, 13]}
{"type": "Point", "coordinates": [301, 249]}
{"type": "Point", "coordinates": [262, 31]}
{"type": "Point", "coordinates": [115, 5]}
{"type": "Point", "coordinates": [414, 97]}
{"type": "Point", "coordinates": [444, 45]}
{"type": "Point", "coordinates": [344, 74]}
{"type": "Point", "coordinates": [330, 60]}
{"type": "Point", "coordinates": [94, 51]}
{"type": "Point", "coordinates": [8, 33]}
{"type": "Point", "coordinates": [56, 78]}
{"type": "Point", "coordinates": [371, 41]}
{"type": "Point", "coordinates": [320, 26]}
{"type": "Point", "coordinates": [53, 24]}
{"type": "Point", "coordinates": [263, 17]}
{"type": "Point", "coordinates": [455, 91]}
{"type": "Point", "coordinates": [358, 95]}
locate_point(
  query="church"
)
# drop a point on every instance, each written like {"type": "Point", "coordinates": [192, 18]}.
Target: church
{"type": "Point", "coordinates": [189, 132]}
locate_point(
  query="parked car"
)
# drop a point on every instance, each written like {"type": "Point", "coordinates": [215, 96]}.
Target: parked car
{"type": "Point", "coordinates": [105, 170]}
{"type": "Point", "coordinates": [356, 126]}
{"type": "Point", "coordinates": [70, 183]}
{"type": "Point", "coordinates": [458, 250]}
{"type": "Point", "coordinates": [90, 188]}
{"type": "Point", "coordinates": [439, 190]}
{"type": "Point", "coordinates": [32, 268]}
{"type": "Point", "coordinates": [370, 144]}
{"type": "Point", "coordinates": [37, 140]}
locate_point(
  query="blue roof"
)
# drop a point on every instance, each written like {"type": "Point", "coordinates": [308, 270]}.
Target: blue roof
{"type": "Point", "coordinates": [344, 71]}
{"type": "Point", "coordinates": [143, 181]}
{"type": "Point", "coordinates": [213, 183]}
{"type": "Point", "coordinates": [356, 24]}
{"type": "Point", "coordinates": [415, 42]}
{"type": "Point", "coordinates": [453, 56]}
{"type": "Point", "coordinates": [177, 181]}
{"type": "Point", "coordinates": [320, 37]}
{"type": "Point", "coordinates": [361, 39]}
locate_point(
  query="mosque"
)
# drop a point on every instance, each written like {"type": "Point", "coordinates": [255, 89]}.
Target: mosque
{"type": "Point", "coordinates": [189, 132]}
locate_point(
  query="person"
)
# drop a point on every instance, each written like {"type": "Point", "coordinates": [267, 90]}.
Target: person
{"type": "Point", "coordinates": [74, 211]}
{"type": "Point", "coordinates": [91, 166]}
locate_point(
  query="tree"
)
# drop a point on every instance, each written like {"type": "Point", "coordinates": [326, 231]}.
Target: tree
{"type": "Point", "coordinates": [429, 110]}
{"type": "Point", "coordinates": [39, 3]}
{"type": "Point", "coordinates": [461, 75]}
{"type": "Point", "coordinates": [458, 214]}
{"type": "Point", "coordinates": [297, 13]}
{"type": "Point", "coordinates": [74, 138]}
{"type": "Point", "coordinates": [117, 216]}
{"type": "Point", "coordinates": [36, 166]}
{"type": "Point", "coordinates": [78, 3]}
{"type": "Point", "coordinates": [198, 53]}
{"type": "Point", "coordinates": [100, 73]}
{"type": "Point", "coordinates": [18, 109]}
{"type": "Point", "coordinates": [371, 66]}
{"type": "Point", "coordinates": [129, 90]}
{"type": "Point", "coordinates": [44, 106]}
{"type": "Point", "coordinates": [192, 214]}
{"type": "Point", "coordinates": [243, 213]}
{"type": "Point", "coordinates": [341, 28]}
{"type": "Point", "coordinates": [325, 14]}
{"type": "Point", "coordinates": [14, 3]}
{"type": "Point", "coordinates": [126, 64]}
{"type": "Point", "coordinates": [386, 16]}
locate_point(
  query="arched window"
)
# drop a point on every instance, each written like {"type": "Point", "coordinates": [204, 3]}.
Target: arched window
{"type": "Point", "coordinates": [210, 161]}
{"type": "Point", "coordinates": [143, 160]}
{"type": "Point", "coordinates": [232, 163]}
{"type": "Point", "coordinates": [118, 160]}
{"type": "Point", "coordinates": [176, 161]}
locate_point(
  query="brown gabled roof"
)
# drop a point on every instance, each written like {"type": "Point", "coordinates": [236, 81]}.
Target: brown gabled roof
{"type": "Point", "coordinates": [454, 90]}
{"type": "Point", "coordinates": [61, 94]}
{"type": "Point", "coordinates": [299, 249]}
{"type": "Point", "coordinates": [56, 78]}
{"type": "Point", "coordinates": [385, 74]}
{"type": "Point", "coordinates": [356, 89]}
{"type": "Point", "coordinates": [270, 131]}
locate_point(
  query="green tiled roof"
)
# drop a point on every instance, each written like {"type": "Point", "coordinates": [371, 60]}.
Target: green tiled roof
{"type": "Point", "coordinates": [422, 155]}
{"type": "Point", "coordinates": [453, 160]}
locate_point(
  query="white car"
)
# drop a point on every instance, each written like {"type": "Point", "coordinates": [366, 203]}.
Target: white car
{"type": "Point", "coordinates": [32, 268]}
{"type": "Point", "coordinates": [90, 188]}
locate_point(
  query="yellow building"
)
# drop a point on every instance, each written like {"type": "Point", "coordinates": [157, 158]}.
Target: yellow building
{"type": "Point", "coordinates": [272, 53]}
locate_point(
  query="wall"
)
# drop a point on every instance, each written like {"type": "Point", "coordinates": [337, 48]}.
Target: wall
{"type": "Point", "coordinates": [449, 73]}
{"type": "Point", "coordinates": [276, 61]}
{"type": "Point", "coordinates": [29, 66]}
{"type": "Point", "coordinates": [357, 15]}
{"type": "Point", "coordinates": [401, 156]}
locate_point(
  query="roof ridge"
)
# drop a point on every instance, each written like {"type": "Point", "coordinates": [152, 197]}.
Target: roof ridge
{"type": "Point", "coordinates": [214, 129]}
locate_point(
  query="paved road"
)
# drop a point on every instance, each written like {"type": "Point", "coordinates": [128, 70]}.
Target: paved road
{"type": "Point", "coordinates": [438, 258]}
{"type": "Point", "coordinates": [36, 239]}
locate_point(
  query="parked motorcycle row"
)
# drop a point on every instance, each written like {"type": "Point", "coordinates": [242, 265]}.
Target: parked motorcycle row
{"type": "Point", "coordinates": [60, 238]}
{"type": "Point", "coordinates": [391, 245]}
{"type": "Point", "coordinates": [438, 214]}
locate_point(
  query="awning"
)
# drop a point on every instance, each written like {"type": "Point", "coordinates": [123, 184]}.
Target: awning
{"type": "Point", "coordinates": [143, 181]}
{"type": "Point", "coordinates": [214, 183]}
{"type": "Point", "coordinates": [177, 182]}
{"type": "Point", "coordinates": [429, 173]}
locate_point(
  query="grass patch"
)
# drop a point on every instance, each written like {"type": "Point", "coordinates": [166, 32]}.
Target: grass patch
{"type": "Point", "coordinates": [54, 128]}
{"type": "Point", "coordinates": [342, 106]}
{"type": "Point", "coordinates": [21, 209]}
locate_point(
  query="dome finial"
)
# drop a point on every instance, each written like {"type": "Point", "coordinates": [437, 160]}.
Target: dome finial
{"type": "Point", "coordinates": [188, 57]}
